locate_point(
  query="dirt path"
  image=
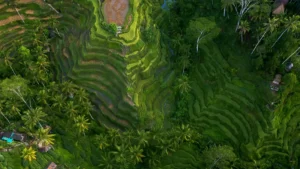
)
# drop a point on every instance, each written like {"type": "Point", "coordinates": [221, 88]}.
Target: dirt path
{"type": "Point", "coordinates": [115, 11]}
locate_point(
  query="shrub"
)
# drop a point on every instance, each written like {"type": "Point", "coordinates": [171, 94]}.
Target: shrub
{"type": "Point", "coordinates": [111, 28]}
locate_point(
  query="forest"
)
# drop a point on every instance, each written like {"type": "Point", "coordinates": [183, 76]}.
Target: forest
{"type": "Point", "coordinates": [149, 84]}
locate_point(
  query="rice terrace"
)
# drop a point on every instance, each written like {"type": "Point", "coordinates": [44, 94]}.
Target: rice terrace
{"type": "Point", "coordinates": [149, 84]}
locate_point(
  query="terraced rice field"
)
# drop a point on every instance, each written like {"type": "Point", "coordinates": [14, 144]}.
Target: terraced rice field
{"type": "Point", "coordinates": [108, 66]}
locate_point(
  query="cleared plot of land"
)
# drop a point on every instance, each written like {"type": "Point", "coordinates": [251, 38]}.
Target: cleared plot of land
{"type": "Point", "coordinates": [115, 11]}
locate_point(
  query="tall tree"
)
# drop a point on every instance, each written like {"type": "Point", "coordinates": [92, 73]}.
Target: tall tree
{"type": "Point", "coordinates": [7, 61]}
{"type": "Point", "coordinates": [71, 109]}
{"type": "Point", "coordinates": [136, 154]}
{"type": "Point", "coordinates": [32, 118]}
{"type": "Point", "coordinates": [183, 84]}
{"type": "Point", "coordinates": [243, 7]}
{"type": "Point", "coordinates": [82, 124]}
{"type": "Point", "coordinates": [15, 86]}
{"type": "Point", "coordinates": [292, 24]}
{"type": "Point", "coordinates": [44, 138]}
{"type": "Point", "coordinates": [1, 111]}
{"type": "Point", "coordinates": [228, 4]}
{"type": "Point", "coordinates": [270, 26]}
{"type": "Point", "coordinates": [243, 29]}
{"type": "Point", "coordinates": [219, 157]}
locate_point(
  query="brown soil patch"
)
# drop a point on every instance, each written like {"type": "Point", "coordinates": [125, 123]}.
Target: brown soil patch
{"type": "Point", "coordinates": [40, 2]}
{"type": "Point", "coordinates": [29, 12]}
{"type": "Point", "coordinates": [115, 11]}
{"type": "Point", "coordinates": [10, 10]}
{"type": "Point", "coordinates": [2, 5]}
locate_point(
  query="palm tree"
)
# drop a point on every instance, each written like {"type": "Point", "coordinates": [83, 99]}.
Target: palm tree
{"type": "Point", "coordinates": [68, 88]}
{"type": "Point", "coordinates": [29, 154]}
{"type": "Point", "coordinates": [291, 55]}
{"type": "Point", "coordinates": [81, 95]}
{"type": "Point", "coordinates": [7, 61]}
{"type": "Point", "coordinates": [228, 4]}
{"type": "Point", "coordinates": [33, 117]}
{"type": "Point", "coordinates": [59, 102]}
{"type": "Point", "coordinates": [184, 133]}
{"type": "Point", "coordinates": [43, 64]}
{"type": "Point", "coordinates": [184, 62]}
{"type": "Point", "coordinates": [114, 135]}
{"type": "Point", "coordinates": [270, 26]}
{"type": "Point", "coordinates": [43, 97]}
{"type": "Point", "coordinates": [107, 161]}
{"type": "Point", "coordinates": [121, 154]}
{"type": "Point", "coordinates": [292, 24]}
{"type": "Point", "coordinates": [43, 138]}
{"type": "Point", "coordinates": [81, 123]}
{"type": "Point", "coordinates": [143, 137]}
{"type": "Point", "coordinates": [13, 108]}
{"type": "Point", "coordinates": [102, 140]}
{"type": "Point", "coordinates": [71, 109]}
{"type": "Point", "coordinates": [136, 154]}
{"type": "Point", "coordinates": [183, 84]}
{"type": "Point", "coordinates": [244, 28]}
{"type": "Point", "coordinates": [1, 108]}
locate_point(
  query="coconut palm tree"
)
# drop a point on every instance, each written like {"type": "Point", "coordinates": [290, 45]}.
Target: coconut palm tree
{"type": "Point", "coordinates": [143, 137]}
{"type": "Point", "coordinates": [102, 140]}
{"type": "Point", "coordinates": [114, 135]}
{"type": "Point", "coordinates": [68, 88]}
{"type": "Point", "coordinates": [33, 117]}
{"type": "Point", "coordinates": [71, 109]}
{"type": "Point", "coordinates": [107, 161]}
{"type": "Point", "coordinates": [121, 154]}
{"type": "Point", "coordinates": [2, 106]}
{"type": "Point", "coordinates": [292, 24]}
{"type": "Point", "coordinates": [29, 154]}
{"type": "Point", "coordinates": [243, 29]}
{"type": "Point", "coordinates": [7, 61]}
{"type": "Point", "coordinates": [82, 124]}
{"type": "Point", "coordinates": [58, 102]}
{"type": "Point", "coordinates": [13, 107]}
{"type": "Point", "coordinates": [228, 4]}
{"type": "Point", "coordinates": [270, 26]}
{"type": "Point", "coordinates": [136, 154]}
{"type": "Point", "coordinates": [184, 62]}
{"type": "Point", "coordinates": [43, 97]}
{"type": "Point", "coordinates": [183, 84]}
{"type": "Point", "coordinates": [43, 63]}
{"type": "Point", "coordinates": [81, 95]}
{"type": "Point", "coordinates": [43, 138]}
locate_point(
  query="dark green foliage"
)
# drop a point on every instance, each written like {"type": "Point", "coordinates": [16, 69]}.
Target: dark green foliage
{"type": "Point", "coordinates": [111, 28]}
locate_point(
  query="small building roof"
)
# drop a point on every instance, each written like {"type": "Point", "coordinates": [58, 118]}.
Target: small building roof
{"type": "Point", "coordinates": [52, 165]}
{"type": "Point", "coordinates": [16, 136]}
